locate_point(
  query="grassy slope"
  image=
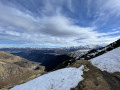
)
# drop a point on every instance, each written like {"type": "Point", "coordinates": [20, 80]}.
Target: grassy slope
{"type": "Point", "coordinates": [15, 70]}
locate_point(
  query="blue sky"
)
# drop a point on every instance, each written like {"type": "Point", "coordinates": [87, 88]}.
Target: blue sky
{"type": "Point", "coordinates": [58, 23]}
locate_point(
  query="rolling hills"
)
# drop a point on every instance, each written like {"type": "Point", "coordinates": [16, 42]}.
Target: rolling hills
{"type": "Point", "coordinates": [15, 70]}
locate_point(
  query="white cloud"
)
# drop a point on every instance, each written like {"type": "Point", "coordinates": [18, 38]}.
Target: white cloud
{"type": "Point", "coordinates": [113, 6]}
{"type": "Point", "coordinates": [108, 33]}
{"type": "Point", "coordinates": [51, 30]}
{"type": "Point", "coordinates": [105, 11]}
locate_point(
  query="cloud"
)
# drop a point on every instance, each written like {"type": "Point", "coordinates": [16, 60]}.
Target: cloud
{"type": "Point", "coordinates": [106, 12]}
{"type": "Point", "coordinates": [57, 25]}
{"type": "Point", "coordinates": [50, 27]}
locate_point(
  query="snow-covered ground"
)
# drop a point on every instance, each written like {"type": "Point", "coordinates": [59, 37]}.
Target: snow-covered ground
{"type": "Point", "coordinates": [109, 61]}
{"type": "Point", "coordinates": [62, 79]}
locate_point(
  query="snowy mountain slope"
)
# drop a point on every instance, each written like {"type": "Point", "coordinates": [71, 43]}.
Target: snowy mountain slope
{"type": "Point", "coordinates": [109, 61]}
{"type": "Point", "coordinates": [78, 53]}
{"type": "Point", "coordinates": [62, 79]}
{"type": "Point", "coordinates": [96, 52]}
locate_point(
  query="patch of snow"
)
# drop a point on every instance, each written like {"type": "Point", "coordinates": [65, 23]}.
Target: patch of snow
{"type": "Point", "coordinates": [85, 68]}
{"type": "Point", "coordinates": [62, 79]}
{"type": "Point", "coordinates": [109, 61]}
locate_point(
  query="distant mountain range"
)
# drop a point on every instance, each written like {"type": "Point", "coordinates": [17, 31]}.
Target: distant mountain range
{"type": "Point", "coordinates": [48, 57]}
{"type": "Point", "coordinates": [63, 50]}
